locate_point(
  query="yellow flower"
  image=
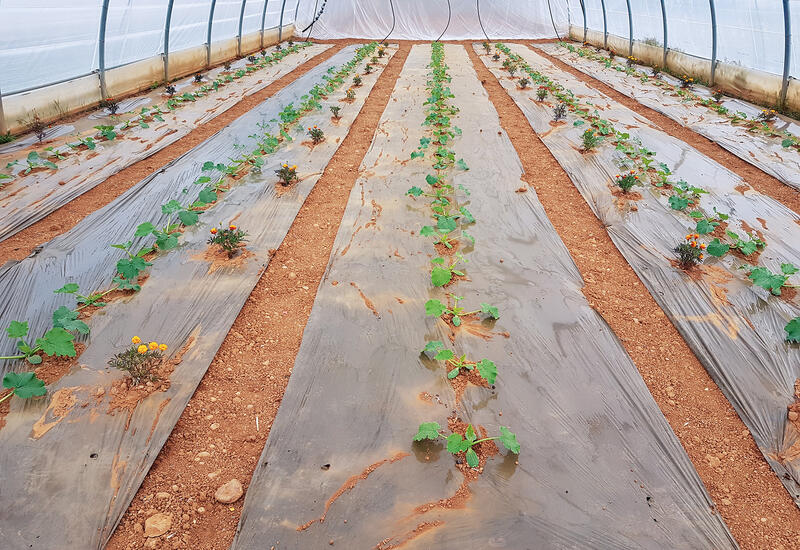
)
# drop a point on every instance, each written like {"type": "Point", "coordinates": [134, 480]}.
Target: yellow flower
{"type": "Point", "coordinates": [294, 167]}
{"type": "Point", "coordinates": [142, 349]}
{"type": "Point", "coordinates": [136, 340]}
{"type": "Point", "coordinates": [163, 347]}
{"type": "Point", "coordinates": [153, 345]}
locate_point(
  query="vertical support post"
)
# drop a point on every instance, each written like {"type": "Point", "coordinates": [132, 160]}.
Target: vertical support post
{"type": "Point", "coordinates": [208, 34]}
{"type": "Point", "coordinates": [101, 47]}
{"type": "Point", "coordinates": [263, 20]}
{"type": "Point", "coordinates": [296, 9]}
{"type": "Point", "coordinates": [605, 24]}
{"type": "Point", "coordinates": [713, 41]}
{"type": "Point", "coordinates": [166, 40]}
{"type": "Point", "coordinates": [239, 36]}
{"type": "Point", "coordinates": [787, 56]}
{"type": "Point", "coordinates": [583, 10]}
{"type": "Point", "coordinates": [630, 28]}
{"type": "Point", "coordinates": [3, 126]}
{"type": "Point", "coordinates": [280, 25]}
{"type": "Point", "coordinates": [664, 25]}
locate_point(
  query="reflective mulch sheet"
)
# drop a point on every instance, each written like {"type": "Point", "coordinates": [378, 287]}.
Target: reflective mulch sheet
{"type": "Point", "coordinates": [599, 465]}
{"type": "Point", "coordinates": [765, 153]}
{"type": "Point", "coordinates": [70, 463]}
{"type": "Point", "coordinates": [27, 199]}
{"type": "Point", "coordinates": [735, 328]}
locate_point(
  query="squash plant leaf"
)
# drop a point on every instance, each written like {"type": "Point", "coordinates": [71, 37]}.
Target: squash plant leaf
{"type": "Point", "coordinates": [18, 329]}
{"type": "Point", "coordinates": [24, 384]}
{"type": "Point", "coordinates": [57, 341]}
{"type": "Point", "coordinates": [67, 319]}
{"type": "Point", "coordinates": [717, 248]}
{"type": "Point", "coordinates": [488, 370]}
{"type": "Point", "coordinates": [428, 430]}
{"type": "Point", "coordinates": [793, 330]}
{"type": "Point", "coordinates": [509, 440]}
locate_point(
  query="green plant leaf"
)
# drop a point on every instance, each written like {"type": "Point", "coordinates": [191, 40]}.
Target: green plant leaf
{"type": "Point", "coordinates": [188, 217]}
{"type": "Point", "coordinates": [509, 440]}
{"type": "Point", "coordinates": [767, 280]}
{"type": "Point", "coordinates": [207, 196]}
{"type": "Point", "coordinates": [470, 435]}
{"type": "Point", "coordinates": [717, 248]}
{"type": "Point", "coordinates": [789, 269]}
{"type": "Point", "coordinates": [472, 458]}
{"type": "Point", "coordinates": [131, 267]}
{"type": "Point", "coordinates": [488, 370]}
{"type": "Point", "coordinates": [444, 355]}
{"type": "Point", "coordinates": [171, 207]}
{"type": "Point", "coordinates": [454, 443]}
{"type": "Point", "coordinates": [793, 330]}
{"type": "Point", "coordinates": [428, 430]}
{"type": "Point", "coordinates": [704, 227]}
{"type": "Point", "coordinates": [67, 319]}
{"type": "Point", "coordinates": [417, 154]}
{"type": "Point", "coordinates": [427, 231]}
{"type": "Point", "coordinates": [678, 203]}
{"type": "Point", "coordinates": [33, 359]}
{"type": "Point", "coordinates": [414, 191]}
{"type": "Point", "coordinates": [431, 180]}
{"type": "Point", "coordinates": [467, 215]}
{"type": "Point", "coordinates": [491, 310]}
{"type": "Point", "coordinates": [432, 307]}
{"type": "Point", "coordinates": [787, 143]}
{"type": "Point", "coordinates": [144, 229]}
{"type": "Point", "coordinates": [748, 247]}
{"type": "Point", "coordinates": [17, 329]}
{"type": "Point", "coordinates": [433, 346]}
{"type": "Point", "coordinates": [24, 384]}
{"type": "Point", "coordinates": [462, 165]}
{"type": "Point", "coordinates": [57, 341]}
{"type": "Point", "coordinates": [577, 123]}
{"type": "Point", "coordinates": [440, 276]}
{"type": "Point", "coordinates": [166, 241]}
{"type": "Point", "coordinates": [69, 288]}
{"type": "Point", "coordinates": [453, 373]}
{"type": "Point", "coordinates": [446, 224]}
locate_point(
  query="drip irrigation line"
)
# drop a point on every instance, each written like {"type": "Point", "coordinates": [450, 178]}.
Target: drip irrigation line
{"type": "Point", "coordinates": [317, 15]}
{"type": "Point", "coordinates": [449, 14]}
{"type": "Point", "coordinates": [550, 9]}
{"type": "Point", "coordinates": [478, 6]}
{"type": "Point", "coordinates": [391, 5]}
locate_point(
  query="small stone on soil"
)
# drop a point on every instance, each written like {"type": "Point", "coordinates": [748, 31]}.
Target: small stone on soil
{"type": "Point", "coordinates": [230, 492]}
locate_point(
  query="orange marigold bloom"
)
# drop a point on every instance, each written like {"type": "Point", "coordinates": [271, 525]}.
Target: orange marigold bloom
{"type": "Point", "coordinates": [136, 340]}
{"type": "Point", "coordinates": [213, 230]}
{"type": "Point", "coordinates": [703, 246]}
{"type": "Point", "coordinates": [142, 349]}
{"type": "Point", "coordinates": [232, 228]}
{"type": "Point", "coordinates": [693, 244]}
{"type": "Point", "coordinates": [162, 347]}
{"type": "Point", "coordinates": [153, 345]}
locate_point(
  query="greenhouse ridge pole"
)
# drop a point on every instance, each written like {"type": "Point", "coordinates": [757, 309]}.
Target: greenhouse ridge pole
{"type": "Point", "coordinates": [263, 21]}
{"type": "Point", "coordinates": [583, 10]}
{"type": "Point", "coordinates": [280, 25]}
{"type": "Point", "coordinates": [630, 28]}
{"type": "Point", "coordinates": [239, 37]}
{"type": "Point", "coordinates": [713, 41]}
{"type": "Point", "coordinates": [787, 56]}
{"type": "Point", "coordinates": [101, 46]}
{"type": "Point", "coordinates": [166, 40]}
{"type": "Point", "coordinates": [208, 34]}
{"type": "Point", "coordinates": [664, 24]}
{"type": "Point", "coordinates": [605, 24]}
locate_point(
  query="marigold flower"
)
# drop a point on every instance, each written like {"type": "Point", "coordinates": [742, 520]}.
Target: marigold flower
{"type": "Point", "coordinates": [162, 347]}
{"type": "Point", "coordinates": [294, 167]}
{"type": "Point", "coordinates": [136, 340]}
{"type": "Point", "coordinates": [700, 257]}
{"type": "Point", "coordinates": [688, 237]}
{"type": "Point", "coordinates": [142, 349]}
{"type": "Point", "coordinates": [702, 246]}
{"type": "Point", "coordinates": [153, 345]}
{"type": "Point", "coordinates": [693, 244]}
{"type": "Point", "coordinates": [213, 230]}
{"type": "Point", "coordinates": [696, 236]}
{"type": "Point", "coordinates": [232, 227]}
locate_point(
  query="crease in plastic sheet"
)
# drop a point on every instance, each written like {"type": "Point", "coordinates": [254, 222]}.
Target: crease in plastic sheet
{"type": "Point", "coordinates": [27, 199]}
{"type": "Point", "coordinates": [595, 447]}
{"type": "Point", "coordinates": [734, 328]}
{"type": "Point", "coordinates": [51, 458]}
{"type": "Point", "coordinates": [765, 153]}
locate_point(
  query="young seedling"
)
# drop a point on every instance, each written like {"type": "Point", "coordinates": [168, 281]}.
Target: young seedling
{"type": "Point", "coordinates": [93, 299]}
{"type": "Point", "coordinates": [198, 78]}
{"type": "Point", "coordinates": [690, 252]}
{"type": "Point", "coordinates": [316, 134]}
{"type": "Point", "coordinates": [442, 272]}
{"type": "Point", "coordinates": [436, 308]}
{"type": "Point", "coordinates": [487, 369]}
{"type": "Point", "coordinates": [766, 279]}
{"type": "Point", "coordinates": [523, 82]}
{"type": "Point", "coordinates": [7, 137]}
{"type": "Point", "coordinates": [718, 95]}
{"type": "Point", "coordinates": [486, 46]}
{"type": "Point", "coordinates": [655, 72]}
{"type": "Point", "coordinates": [107, 132]}
{"type": "Point", "coordinates": [230, 239]}
{"type": "Point", "coordinates": [767, 115]}
{"type": "Point", "coordinates": [590, 140]}
{"type": "Point", "coordinates": [57, 341]}
{"type": "Point", "coordinates": [541, 93]}
{"type": "Point", "coordinates": [559, 112]}
{"type": "Point", "coordinates": [350, 94]}
{"type": "Point", "coordinates": [23, 384]}
{"type": "Point", "coordinates": [110, 104]}
{"type": "Point", "coordinates": [357, 80]}
{"type": "Point", "coordinates": [139, 360]}
{"type": "Point", "coordinates": [227, 66]}
{"type": "Point", "coordinates": [287, 174]}
{"type": "Point", "coordinates": [627, 181]}
{"type": "Point", "coordinates": [456, 443]}
{"type": "Point", "coordinates": [367, 68]}
{"type": "Point", "coordinates": [335, 110]}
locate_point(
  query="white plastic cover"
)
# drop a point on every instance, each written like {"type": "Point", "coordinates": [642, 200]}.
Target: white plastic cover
{"type": "Point", "coordinates": [426, 19]}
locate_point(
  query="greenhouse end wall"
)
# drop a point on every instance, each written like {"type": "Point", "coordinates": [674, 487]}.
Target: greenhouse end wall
{"type": "Point", "coordinates": [53, 102]}
{"type": "Point", "coordinates": [750, 84]}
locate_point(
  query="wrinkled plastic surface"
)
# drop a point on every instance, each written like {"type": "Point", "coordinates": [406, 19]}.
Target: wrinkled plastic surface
{"type": "Point", "coordinates": [27, 199]}
{"type": "Point", "coordinates": [68, 479]}
{"type": "Point", "coordinates": [734, 328]}
{"type": "Point", "coordinates": [599, 465]}
{"type": "Point", "coordinates": [765, 153]}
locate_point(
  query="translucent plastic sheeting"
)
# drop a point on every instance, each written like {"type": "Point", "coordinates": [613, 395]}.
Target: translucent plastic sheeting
{"type": "Point", "coordinates": [617, 17]}
{"type": "Point", "coordinates": [28, 199]}
{"type": "Point", "coordinates": [226, 19]}
{"type": "Point", "coordinates": [599, 465]}
{"type": "Point", "coordinates": [734, 328]}
{"type": "Point", "coordinates": [253, 9]}
{"type": "Point", "coordinates": [763, 152]}
{"type": "Point", "coordinates": [750, 33]}
{"type": "Point", "coordinates": [426, 19]}
{"type": "Point", "coordinates": [134, 30]}
{"type": "Point", "coordinates": [68, 448]}
{"type": "Point", "coordinates": [647, 21]}
{"type": "Point", "coordinates": [189, 25]}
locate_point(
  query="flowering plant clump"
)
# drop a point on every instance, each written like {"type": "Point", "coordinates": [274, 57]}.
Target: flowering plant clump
{"type": "Point", "coordinates": [287, 174]}
{"type": "Point", "coordinates": [590, 140]}
{"type": "Point", "coordinates": [350, 93]}
{"type": "Point", "coordinates": [335, 110]}
{"type": "Point", "coordinates": [230, 239]}
{"type": "Point", "coordinates": [198, 78]}
{"type": "Point", "coordinates": [631, 61]}
{"type": "Point", "coordinates": [717, 95]}
{"type": "Point", "coordinates": [170, 90]}
{"type": "Point", "coordinates": [559, 112]}
{"type": "Point", "coordinates": [656, 72]}
{"type": "Point", "coordinates": [690, 252]}
{"type": "Point", "coordinates": [523, 82]}
{"type": "Point", "coordinates": [496, 57]}
{"type": "Point", "coordinates": [111, 104]}
{"type": "Point", "coordinates": [367, 68]}
{"type": "Point", "coordinates": [381, 52]}
{"type": "Point", "coordinates": [541, 93]}
{"type": "Point", "coordinates": [140, 360]}
{"type": "Point", "coordinates": [316, 134]}
{"type": "Point", "coordinates": [357, 80]}
{"type": "Point", "coordinates": [686, 81]}
{"type": "Point", "coordinates": [767, 115]}
{"type": "Point", "coordinates": [627, 181]}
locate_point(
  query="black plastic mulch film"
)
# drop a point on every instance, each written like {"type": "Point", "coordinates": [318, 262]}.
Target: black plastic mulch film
{"type": "Point", "coordinates": [27, 199]}
{"type": "Point", "coordinates": [68, 467]}
{"type": "Point", "coordinates": [766, 153]}
{"type": "Point", "coordinates": [599, 465]}
{"type": "Point", "coordinates": [735, 328]}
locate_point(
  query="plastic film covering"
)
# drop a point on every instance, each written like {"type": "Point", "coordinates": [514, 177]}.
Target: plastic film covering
{"type": "Point", "coordinates": [27, 199]}
{"type": "Point", "coordinates": [425, 20]}
{"type": "Point", "coordinates": [763, 152]}
{"type": "Point", "coordinates": [189, 24]}
{"type": "Point", "coordinates": [735, 329]}
{"type": "Point", "coordinates": [70, 447]}
{"type": "Point", "coordinates": [134, 30]}
{"type": "Point", "coordinates": [226, 19]}
{"type": "Point", "coordinates": [595, 447]}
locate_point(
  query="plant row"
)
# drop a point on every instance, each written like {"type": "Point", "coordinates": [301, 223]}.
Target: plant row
{"type": "Point", "coordinates": [640, 167]}
{"type": "Point", "coordinates": [449, 236]}
{"type": "Point", "coordinates": [761, 124]}
{"type": "Point", "coordinates": [49, 156]}
{"type": "Point", "coordinates": [149, 239]}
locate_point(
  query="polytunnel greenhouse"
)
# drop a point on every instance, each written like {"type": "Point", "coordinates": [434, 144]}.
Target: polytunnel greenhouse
{"type": "Point", "coordinates": [383, 274]}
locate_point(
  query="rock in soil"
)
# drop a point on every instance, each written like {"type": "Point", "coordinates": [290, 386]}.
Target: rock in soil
{"type": "Point", "coordinates": [230, 492]}
{"type": "Point", "coordinates": [157, 524]}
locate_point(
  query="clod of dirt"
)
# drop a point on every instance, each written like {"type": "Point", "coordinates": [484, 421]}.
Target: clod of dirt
{"type": "Point", "coordinates": [157, 524]}
{"type": "Point", "coordinates": [230, 492]}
